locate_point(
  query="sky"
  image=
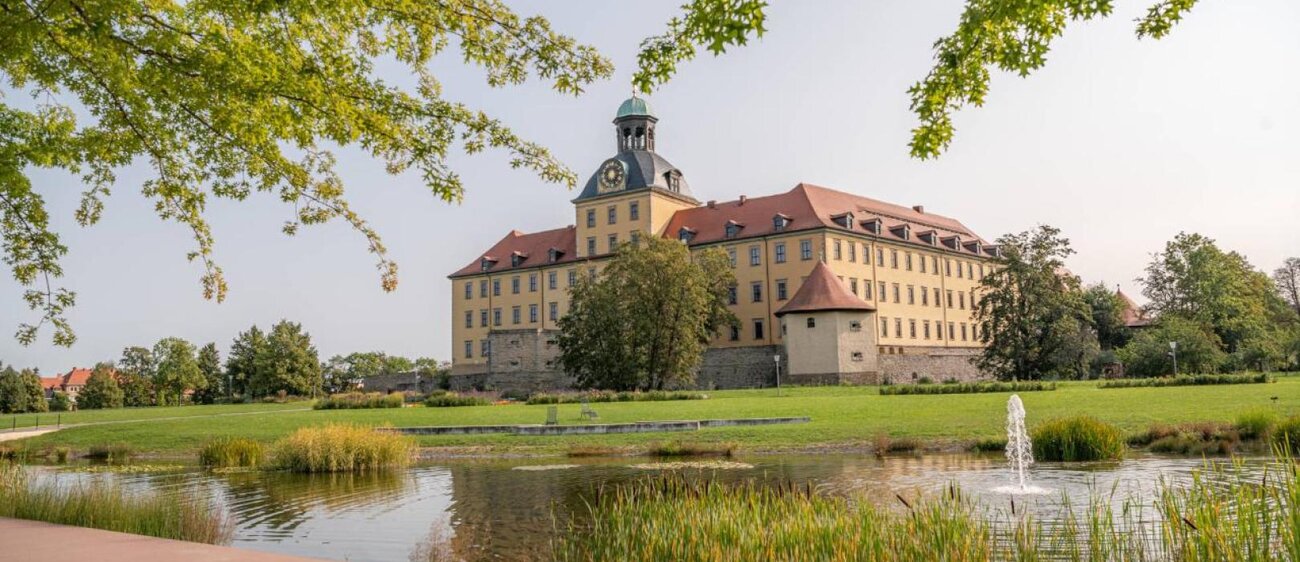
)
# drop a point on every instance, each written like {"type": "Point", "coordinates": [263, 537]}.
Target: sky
{"type": "Point", "coordinates": [1118, 142]}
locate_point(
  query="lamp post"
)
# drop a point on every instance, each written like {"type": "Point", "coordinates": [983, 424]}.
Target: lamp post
{"type": "Point", "coordinates": [1173, 352]}
{"type": "Point", "coordinates": [777, 359]}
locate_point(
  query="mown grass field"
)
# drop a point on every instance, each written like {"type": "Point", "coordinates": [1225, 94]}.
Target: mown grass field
{"type": "Point", "coordinates": [841, 416]}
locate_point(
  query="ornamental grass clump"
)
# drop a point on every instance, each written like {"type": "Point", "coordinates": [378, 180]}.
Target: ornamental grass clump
{"type": "Point", "coordinates": [342, 448]}
{"type": "Point", "coordinates": [360, 400]}
{"type": "Point", "coordinates": [1080, 438]}
{"type": "Point", "coordinates": [1287, 435]}
{"type": "Point", "coordinates": [454, 400]}
{"type": "Point", "coordinates": [1256, 424]}
{"type": "Point", "coordinates": [102, 504]}
{"type": "Point", "coordinates": [232, 452]}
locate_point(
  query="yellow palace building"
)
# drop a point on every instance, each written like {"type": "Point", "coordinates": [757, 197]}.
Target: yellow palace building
{"type": "Point", "coordinates": [831, 286]}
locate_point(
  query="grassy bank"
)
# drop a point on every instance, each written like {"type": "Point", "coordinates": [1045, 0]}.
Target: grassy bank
{"type": "Point", "coordinates": [841, 416]}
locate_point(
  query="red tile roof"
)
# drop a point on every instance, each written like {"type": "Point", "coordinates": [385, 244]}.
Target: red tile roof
{"type": "Point", "coordinates": [822, 291]}
{"type": "Point", "coordinates": [533, 248]}
{"type": "Point", "coordinates": [1132, 315]}
{"type": "Point", "coordinates": [48, 383]}
{"type": "Point", "coordinates": [77, 377]}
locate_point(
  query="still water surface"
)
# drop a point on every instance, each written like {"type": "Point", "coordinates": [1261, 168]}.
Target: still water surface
{"type": "Point", "coordinates": [500, 510]}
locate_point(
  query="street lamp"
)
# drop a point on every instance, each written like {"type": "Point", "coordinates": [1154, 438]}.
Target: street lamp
{"type": "Point", "coordinates": [777, 359]}
{"type": "Point", "coordinates": [1173, 352]}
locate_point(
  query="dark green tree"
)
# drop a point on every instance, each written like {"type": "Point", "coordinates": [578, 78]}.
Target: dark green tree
{"type": "Point", "coordinates": [13, 391]}
{"type": "Point", "coordinates": [1107, 316]}
{"type": "Point", "coordinates": [287, 363]}
{"type": "Point", "coordinates": [1031, 311]}
{"type": "Point", "coordinates": [214, 377]}
{"type": "Point", "coordinates": [102, 390]}
{"type": "Point", "coordinates": [645, 321]}
{"type": "Point", "coordinates": [60, 402]}
{"type": "Point", "coordinates": [241, 364]}
{"type": "Point", "coordinates": [177, 371]}
{"type": "Point", "coordinates": [35, 392]}
{"type": "Point", "coordinates": [1148, 354]}
{"type": "Point", "coordinates": [135, 374]}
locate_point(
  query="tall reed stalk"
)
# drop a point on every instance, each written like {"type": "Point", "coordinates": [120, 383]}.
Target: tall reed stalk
{"type": "Point", "coordinates": [342, 448]}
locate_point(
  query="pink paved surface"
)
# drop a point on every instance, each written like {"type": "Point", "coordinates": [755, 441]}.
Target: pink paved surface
{"type": "Point", "coordinates": [34, 541]}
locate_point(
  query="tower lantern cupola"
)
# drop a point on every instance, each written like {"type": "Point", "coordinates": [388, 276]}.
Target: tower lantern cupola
{"type": "Point", "coordinates": [635, 125]}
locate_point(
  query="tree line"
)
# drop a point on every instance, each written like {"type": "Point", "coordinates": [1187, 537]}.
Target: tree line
{"type": "Point", "coordinates": [1038, 321]}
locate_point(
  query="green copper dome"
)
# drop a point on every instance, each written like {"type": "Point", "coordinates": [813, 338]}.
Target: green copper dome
{"type": "Point", "coordinates": [634, 107]}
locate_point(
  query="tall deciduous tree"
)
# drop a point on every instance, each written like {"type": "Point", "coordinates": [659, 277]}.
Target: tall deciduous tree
{"type": "Point", "coordinates": [214, 377]}
{"type": "Point", "coordinates": [1149, 354]}
{"type": "Point", "coordinates": [177, 370]}
{"type": "Point", "coordinates": [135, 374]}
{"type": "Point", "coordinates": [1107, 316]}
{"type": "Point", "coordinates": [35, 392]}
{"type": "Point", "coordinates": [101, 390]}
{"type": "Point", "coordinates": [1287, 279]}
{"type": "Point", "coordinates": [645, 321]}
{"type": "Point", "coordinates": [13, 392]}
{"type": "Point", "coordinates": [287, 363]}
{"type": "Point", "coordinates": [241, 364]}
{"type": "Point", "coordinates": [1031, 310]}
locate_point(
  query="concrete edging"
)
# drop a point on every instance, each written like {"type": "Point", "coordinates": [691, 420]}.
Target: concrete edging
{"type": "Point", "coordinates": [593, 429]}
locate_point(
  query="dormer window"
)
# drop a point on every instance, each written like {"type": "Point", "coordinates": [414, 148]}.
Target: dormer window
{"type": "Point", "coordinates": [953, 242]}
{"type": "Point", "coordinates": [994, 250]}
{"type": "Point", "coordinates": [903, 231]}
{"type": "Point", "coordinates": [873, 225]}
{"type": "Point", "coordinates": [733, 229]}
{"type": "Point", "coordinates": [673, 179]}
{"type": "Point", "coordinates": [844, 220]}
{"type": "Point", "coordinates": [486, 263]}
{"type": "Point", "coordinates": [553, 255]}
{"type": "Point", "coordinates": [973, 246]}
{"type": "Point", "coordinates": [779, 222]}
{"type": "Point", "coordinates": [929, 237]}
{"type": "Point", "coordinates": [517, 258]}
{"type": "Point", "coordinates": [685, 234]}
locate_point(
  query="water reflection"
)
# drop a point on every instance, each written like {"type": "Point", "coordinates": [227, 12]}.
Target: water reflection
{"type": "Point", "coordinates": [485, 509]}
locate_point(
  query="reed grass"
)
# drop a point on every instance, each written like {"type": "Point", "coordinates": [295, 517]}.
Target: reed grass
{"type": "Point", "coordinates": [612, 396]}
{"type": "Point", "coordinates": [966, 388]}
{"type": "Point", "coordinates": [1079, 438]}
{"type": "Point", "coordinates": [102, 504]}
{"type": "Point", "coordinates": [1196, 438]}
{"type": "Point", "coordinates": [342, 448]}
{"type": "Point", "coordinates": [232, 452]}
{"type": "Point", "coordinates": [360, 400]}
{"type": "Point", "coordinates": [111, 452]}
{"type": "Point", "coordinates": [1221, 514]}
{"type": "Point", "coordinates": [1188, 380]}
{"type": "Point", "coordinates": [687, 449]}
{"type": "Point", "coordinates": [1287, 435]}
{"type": "Point", "coordinates": [1256, 424]}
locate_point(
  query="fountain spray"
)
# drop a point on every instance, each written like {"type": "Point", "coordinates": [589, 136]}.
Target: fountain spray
{"type": "Point", "coordinates": [1020, 452]}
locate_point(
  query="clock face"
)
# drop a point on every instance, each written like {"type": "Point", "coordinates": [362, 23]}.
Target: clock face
{"type": "Point", "coordinates": [611, 176]}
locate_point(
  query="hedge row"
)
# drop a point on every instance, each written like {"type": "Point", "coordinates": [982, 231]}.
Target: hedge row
{"type": "Point", "coordinates": [967, 388]}
{"type": "Point", "coordinates": [1188, 380]}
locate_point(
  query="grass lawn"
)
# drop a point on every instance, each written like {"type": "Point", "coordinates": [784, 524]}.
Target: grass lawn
{"type": "Point", "coordinates": [840, 416]}
{"type": "Point", "coordinates": [9, 421]}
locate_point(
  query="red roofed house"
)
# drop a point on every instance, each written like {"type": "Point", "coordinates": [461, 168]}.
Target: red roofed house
{"type": "Point", "coordinates": [918, 271]}
{"type": "Point", "coordinates": [70, 383]}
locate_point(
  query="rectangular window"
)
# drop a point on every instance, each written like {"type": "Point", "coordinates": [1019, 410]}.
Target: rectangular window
{"type": "Point", "coordinates": [981, 271]}
{"type": "Point", "coordinates": [781, 290]}
{"type": "Point", "coordinates": [514, 285]}
{"type": "Point", "coordinates": [611, 215]}
{"type": "Point", "coordinates": [735, 333]}
{"type": "Point", "coordinates": [911, 294]}
{"type": "Point", "coordinates": [573, 277]}
{"type": "Point", "coordinates": [934, 263]}
{"type": "Point", "coordinates": [897, 294]}
{"type": "Point", "coordinates": [837, 250]}
{"type": "Point", "coordinates": [812, 322]}
{"type": "Point", "coordinates": [893, 259]}
{"type": "Point", "coordinates": [866, 290]}
{"type": "Point", "coordinates": [591, 218]}
{"type": "Point", "coordinates": [855, 326]}
{"type": "Point", "coordinates": [469, 290]}
{"type": "Point", "coordinates": [485, 348]}
{"type": "Point", "coordinates": [925, 325]}
{"type": "Point", "coordinates": [925, 296]}
{"type": "Point", "coordinates": [805, 250]}
{"type": "Point", "coordinates": [882, 295]}
{"type": "Point", "coordinates": [961, 300]}
{"type": "Point", "coordinates": [635, 237]}
{"type": "Point", "coordinates": [591, 245]}
{"type": "Point", "coordinates": [947, 267]}
{"type": "Point", "coordinates": [884, 327]}
{"type": "Point", "coordinates": [532, 314]}
{"type": "Point", "coordinates": [911, 328]}
{"type": "Point", "coordinates": [731, 295]}
{"type": "Point", "coordinates": [857, 356]}
{"type": "Point", "coordinates": [909, 261]}
{"type": "Point", "coordinates": [469, 319]}
{"type": "Point", "coordinates": [756, 291]}
{"type": "Point", "coordinates": [483, 288]}
{"type": "Point", "coordinates": [937, 302]}
{"type": "Point", "coordinates": [516, 314]}
{"type": "Point", "coordinates": [950, 298]}
{"type": "Point", "coordinates": [496, 287]}
{"type": "Point", "coordinates": [952, 332]}
{"type": "Point", "coordinates": [780, 252]}
{"type": "Point", "coordinates": [898, 327]}
{"type": "Point", "coordinates": [755, 255]}
{"type": "Point", "coordinates": [880, 257]}
{"type": "Point", "coordinates": [970, 271]}
{"type": "Point", "coordinates": [731, 256]}
{"type": "Point", "coordinates": [633, 210]}
{"type": "Point", "coordinates": [613, 243]}
{"type": "Point", "coordinates": [532, 282]}
{"type": "Point", "coordinates": [553, 311]}
{"type": "Point", "coordinates": [922, 260]}
{"type": "Point", "coordinates": [552, 280]}
{"type": "Point", "coordinates": [853, 252]}
{"type": "Point", "coordinates": [496, 317]}
{"type": "Point", "coordinates": [963, 331]}
{"type": "Point", "coordinates": [469, 349]}
{"type": "Point", "coordinates": [853, 285]}
{"type": "Point", "coordinates": [758, 329]}
{"type": "Point", "coordinates": [482, 317]}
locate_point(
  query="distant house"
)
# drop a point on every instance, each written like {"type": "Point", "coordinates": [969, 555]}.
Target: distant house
{"type": "Point", "coordinates": [1132, 315]}
{"type": "Point", "coordinates": [70, 383]}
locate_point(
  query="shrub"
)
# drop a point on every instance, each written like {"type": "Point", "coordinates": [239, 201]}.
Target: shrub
{"type": "Point", "coordinates": [925, 380]}
{"type": "Point", "coordinates": [358, 400]}
{"type": "Point", "coordinates": [111, 452]}
{"type": "Point", "coordinates": [680, 449]}
{"type": "Point", "coordinates": [1200, 438]}
{"type": "Point", "coordinates": [1287, 434]}
{"type": "Point", "coordinates": [883, 443]}
{"type": "Point", "coordinates": [103, 505]}
{"type": "Point", "coordinates": [1147, 354]}
{"type": "Point", "coordinates": [1187, 380]}
{"type": "Point", "coordinates": [967, 388]}
{"type": "Point", "coordinates": [342, 448]}
{"type": "Point", "coordinates": [1080, 438]}
{"type": "Point", "coordinates": [611, 396]}
{"type": "Point", "coordinates": [452, 400]}
{"type": "Point", "coordinates": [60, 402]}
{"type": "Point", "coordinates": [1256, 424]}
{"type": "Point", "coordinates": [227, 452]}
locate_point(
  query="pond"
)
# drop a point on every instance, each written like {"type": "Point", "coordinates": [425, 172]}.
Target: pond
{"type": "Point", "coordinates": [509, 509]}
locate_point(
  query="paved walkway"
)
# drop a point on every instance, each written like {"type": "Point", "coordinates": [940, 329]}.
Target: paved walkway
{"type": "Point", "coordinates": [21, 433]}
{"type": "Point", "coordinates": [25, 433]}
{"type": "Point", "coordinates": [33, 541]}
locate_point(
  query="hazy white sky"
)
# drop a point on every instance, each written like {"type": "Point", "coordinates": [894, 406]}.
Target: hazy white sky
{"type": "Point", "coordinates": [1120, 143]}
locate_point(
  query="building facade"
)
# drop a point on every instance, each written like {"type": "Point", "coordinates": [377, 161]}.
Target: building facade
{"type": "Point", "coordinates": [917, 271]}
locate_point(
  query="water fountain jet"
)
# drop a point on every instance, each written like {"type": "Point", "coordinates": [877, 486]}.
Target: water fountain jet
{"type": "Point", "coordinates": [1020, 451]}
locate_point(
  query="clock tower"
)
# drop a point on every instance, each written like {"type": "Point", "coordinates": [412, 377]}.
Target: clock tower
{"type": "Point", "coordinates": [634, 192]}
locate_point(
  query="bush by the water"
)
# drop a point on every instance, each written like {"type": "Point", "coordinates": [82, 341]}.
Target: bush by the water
{"type": "Point", "coordinates": [444, 399]}
{"type": "Point", "coordinates": [611, 396]}
{"type": "Point", "coordinates": [358, 400]}
{"type": "Point", "coordinates": [1080, 438]}
{"type": "Point", "coordinates": [101, 504]}
{"type": "Point", "coordinates": [1188, 380]}
{"type": "Point", "coordinates": [1199, 438]}
{"type": "Point", "coordinates": [342, 448]}
{"type": "Point", "coordinates": [111, 452]}
{"type": "Point", "coordinates": [967, 388]}
{"type": "Point", "coordinates": [1256, 424]}
{"type": "Point", "coordinates": [232, 452]}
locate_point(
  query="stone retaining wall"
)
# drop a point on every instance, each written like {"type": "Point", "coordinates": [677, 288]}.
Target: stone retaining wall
{"type": "Point", "coordinates": [939, 364]}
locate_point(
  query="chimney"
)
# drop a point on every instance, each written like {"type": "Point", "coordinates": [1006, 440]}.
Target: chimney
{"type": "Point", "coordinates": [713, 204]}
{"type": "Point", "coordinates": [919, 208]}
{"type": "Point", "coordinates": [742, 200]}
